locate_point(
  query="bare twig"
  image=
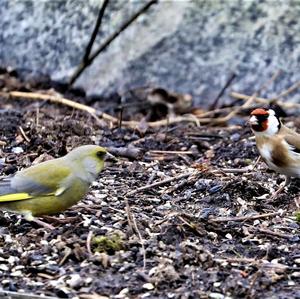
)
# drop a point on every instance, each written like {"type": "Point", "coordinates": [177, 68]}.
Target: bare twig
{"type": "Point", "coordinates": [289, 90]}
{"type": "Point", "coordinates": [246, 218]}
{"type": "Point", "coordinates": [262, 262]}
{"type": "Point", "coordinates": [172, 152]}
{"type": "Point", "coordinates": [232, 170]}
{"type": "Point", "coordinates": [272, 233]}
{"type": "Point", "coordinates": [132, 223]}
{"type": "Point", "coordinates": [268, 82]}
{"type": "Point", "coordinates": [236, 260]}
{"type": "Point", "coordinates": [163, 182]}
{"type": "Point", "coordinates": [88, 242]}
{"type": "Point", "coordinates": [256, 162]}
{"type": "Point", "coordinates": [252, 283]}
{"type": "Point", "coordinates": [95, 31]}
{"type": "Point", "coordinates": [121, 117]}
{"type": "Point", "coordinates": [191, 225]}
{"type": "Point", "coordinates": [129, 214]}
{"type": "Point", "coordinates": [23, 134]}
{"type": "Point", "coordinates": [264, 101]}
{"type": "Point", "coordinates": [131, 152]}
{"type": "Point", "coordinates": [97, 113]}
{"type": "Point", "coordinates": [248, 102]}
{"type": "Point", "coordinates": [227, 84]}
{"type": "Point", "coordinates": [83, 66]}
{"type": "Point", "coordinates": [141, 241]}
{"type": "Point", "coordinates": [68, 252]}
{"type": "Point", "coordinates": [63, 101]}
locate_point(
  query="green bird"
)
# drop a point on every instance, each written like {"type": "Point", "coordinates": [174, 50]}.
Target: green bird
{"type": "Point", "coordinates": [52, 186]}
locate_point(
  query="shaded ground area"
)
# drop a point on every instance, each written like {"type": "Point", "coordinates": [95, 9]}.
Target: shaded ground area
{"type": "Point", "coordinates": [194, 244]}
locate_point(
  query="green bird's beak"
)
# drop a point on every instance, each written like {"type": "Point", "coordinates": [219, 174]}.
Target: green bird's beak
{"type": "Point", "coordinates": [110, 158]}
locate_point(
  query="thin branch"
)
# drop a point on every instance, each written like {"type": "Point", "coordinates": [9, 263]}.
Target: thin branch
{"type": "Point", "coordinates": [246, 218]}
{"type": "Point", "coordinates": [265, 101]}
{"type": "Point", "coordinates": [248, 102]}
{"type": "Point", "coordinates": [133, 225]}
{"type": "Point", "coordinates": [160, 183]}
{"type": "Point", "coordinates": [233, 170]}
{"type": "Point", "coordinates": [227, 84]}
{"type": "Point", "coordinates": [63, 101]}
{"type": "Point", "coordinates": [68, 252]}
{"type": "Point", "coordinates": [99, 114]}
{"type": "Point", "coordinates": [109, 40]}
{"type": "Point", "coordinates": [256, 162]}
{"type": "Point", "coordinates": [171, 152]}
{"type": "Point", "coordinates": [95, 32]}
{"type": "Point", "coordinates": [275, 234]}
{"type": "Point", "coordinates": [23, 134]}
{"type": "Point", "coordinates": [268, 82]}
{"type": "Point", "coordinates": [88, 242]}
{"type": "Point", "coordinates": [289, 90]}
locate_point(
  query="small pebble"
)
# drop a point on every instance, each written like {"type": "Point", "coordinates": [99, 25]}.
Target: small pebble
{"type": "Point", "coordinates": [216, 296]}
{"type": "Point", "coordinates": [297, 261]}
{"type": "Point", "coordinates": [296, 275]}
{"type": "Point", "coordinates": [3, 267]}
{"type": "Point", "coordinates": [228, 236]}
{"type": "Point", "coordinates": [235, 137]}
{"type": "Point", "coordinates": [17, 150]}
{"type": "Point", "coordinates": [148, 286]}
{"type": "Point", "coordinates": [215, 189]}
{"type": "Point", "coordinates": [217, 284]}
{"type": "Point", "coordinates": [74, 281]}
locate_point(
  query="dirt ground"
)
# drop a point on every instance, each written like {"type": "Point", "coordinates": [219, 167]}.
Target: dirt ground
{"type": "Point", "coordinates": [207, 232]}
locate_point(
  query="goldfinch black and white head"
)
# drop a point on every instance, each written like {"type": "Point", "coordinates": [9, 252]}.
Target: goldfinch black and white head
{"type": "Point", "coordinates": [264, 122]}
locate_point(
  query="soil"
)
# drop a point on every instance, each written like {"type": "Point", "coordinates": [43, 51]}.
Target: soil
{"type": "Point", "coordinates": [180, 239]}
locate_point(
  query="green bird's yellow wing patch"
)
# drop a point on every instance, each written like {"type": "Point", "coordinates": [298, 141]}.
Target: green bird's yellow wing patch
{"type": "Point", "coordinates": [15, 196]}
{"type": "Point", "coordinates": [20, 196]}
{"type": "Point", "coordinates": [38, 181]}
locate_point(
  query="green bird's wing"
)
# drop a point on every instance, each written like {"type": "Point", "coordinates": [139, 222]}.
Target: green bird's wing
{"type": "Point", "coordinates": [45, 179]}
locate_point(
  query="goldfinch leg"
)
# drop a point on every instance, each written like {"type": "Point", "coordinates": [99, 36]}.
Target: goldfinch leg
{"type": "Point", "coordinates": [282, 186]}
{"type": "Point", "coordinates": [28, 216]}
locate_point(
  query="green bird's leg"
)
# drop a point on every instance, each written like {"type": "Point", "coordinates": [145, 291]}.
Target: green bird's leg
{"type": "Point", "coordinates": [28, 216]}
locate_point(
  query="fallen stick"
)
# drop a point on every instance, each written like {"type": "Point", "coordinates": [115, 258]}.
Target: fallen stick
{"type": "Point", "coordinates": [62, 101]}
{"type": "Point", "coordinates": [232, 170]}
{"type": "Point", "coordinates": [172, 152]}
{"type": "Point", "coordinates": [88, 242]}
{"type": "Point", "coordinates": [246, 218]}
{"type": "Point", "coordinates": [99, 114]}
{"type": "Point", "coordinates": [131, 152]}
{"type": "Point", "coordinates": [272, 233]}
{"type": "Point", "coordinates": [134, 227]}
{"type": "Point", "coordinates": [160, 183]}
{"type": "Point", "coordinates": [264, 101]}
{"type": "Point", "coordinates": [248, 102]}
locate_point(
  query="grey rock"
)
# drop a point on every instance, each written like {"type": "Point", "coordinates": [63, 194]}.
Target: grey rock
{"type": "Point", "coordinates": [186, 46]}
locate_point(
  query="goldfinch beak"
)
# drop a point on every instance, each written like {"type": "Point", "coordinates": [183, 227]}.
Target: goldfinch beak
{"type": "Point", "coordinates": [253, 120]}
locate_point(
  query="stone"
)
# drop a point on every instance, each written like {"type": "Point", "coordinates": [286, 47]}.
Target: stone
{"type": "Point", "coordinates": [190, 47]}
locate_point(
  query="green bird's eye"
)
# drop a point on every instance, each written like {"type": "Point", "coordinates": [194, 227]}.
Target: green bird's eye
{"type": "Point", "coordinates": [101, 154]}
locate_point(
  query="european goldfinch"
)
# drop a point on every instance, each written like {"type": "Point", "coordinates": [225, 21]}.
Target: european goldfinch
{"type": "Point", "coordinates": [52, 186]}
{"type": "Point", "coordinates": [278, 145]}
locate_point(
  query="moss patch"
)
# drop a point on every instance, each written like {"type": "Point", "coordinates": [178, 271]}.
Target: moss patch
{"type": "Point", "coordinates": [108, 244]}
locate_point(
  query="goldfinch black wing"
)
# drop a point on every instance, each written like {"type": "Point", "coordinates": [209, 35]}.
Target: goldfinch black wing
{"type": "Point", "coordinates": [294, 143]}
{"type": "Point", "coordinates": [41, 180]}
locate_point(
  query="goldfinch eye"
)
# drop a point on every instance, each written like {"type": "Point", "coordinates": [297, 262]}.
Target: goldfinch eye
{"type": "Point", "coordinates": [101, 155]}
